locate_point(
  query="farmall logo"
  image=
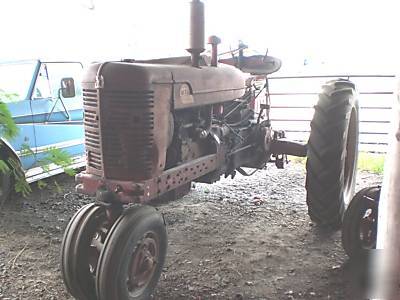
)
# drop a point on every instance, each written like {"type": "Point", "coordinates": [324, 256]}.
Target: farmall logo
{"type": "Point", "coordinates": [185, 95]}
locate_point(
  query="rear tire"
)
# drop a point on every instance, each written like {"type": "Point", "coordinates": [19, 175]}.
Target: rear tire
{"type": "Point", "coordinates": [332, 153]}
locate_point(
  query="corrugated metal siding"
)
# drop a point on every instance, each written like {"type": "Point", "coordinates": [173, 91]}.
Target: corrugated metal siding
{"type": "Point", "coordinates": [293, 98]}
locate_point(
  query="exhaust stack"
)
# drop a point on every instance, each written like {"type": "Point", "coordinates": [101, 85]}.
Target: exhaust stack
{"type": "Point", "coordinates": [196, 38]}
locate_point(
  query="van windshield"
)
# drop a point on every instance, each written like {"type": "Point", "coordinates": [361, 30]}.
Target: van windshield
{"type": "Point", "coordinates": [15, 79]}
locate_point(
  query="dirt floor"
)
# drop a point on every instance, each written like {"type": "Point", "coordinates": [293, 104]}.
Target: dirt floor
{"type": "Point", "coordinates": [248, 238]}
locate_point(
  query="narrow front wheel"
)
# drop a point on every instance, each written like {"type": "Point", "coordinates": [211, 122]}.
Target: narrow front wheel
{"type": "Point", "coordinates": [81, 248]}
{"type": "Point", "coordinates": [133, 255]}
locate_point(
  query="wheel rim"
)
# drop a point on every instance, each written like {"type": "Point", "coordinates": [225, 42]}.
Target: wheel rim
{"type": "Point", "coordinates": [81, 253]}
{"type": "Point", "coordinates": [94, 252]}
{"type": "Point", "coordinates": [350, 160]}
{"type": "Point", "coordinates": [368, 225]}
{"type": "Point", "coordinates": [96, 242]}
{"type": "Point", "coordinates": [143, 263]}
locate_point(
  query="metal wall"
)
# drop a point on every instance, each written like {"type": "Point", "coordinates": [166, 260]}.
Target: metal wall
{"type": "Point", "coordinates": [293, 98]}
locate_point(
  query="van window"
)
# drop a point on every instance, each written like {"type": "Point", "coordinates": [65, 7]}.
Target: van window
{"type": "Point", "coordinates": [42, 85]}
{"type": "Point", "coordinates": [49, 78]}
{"type": "Point", "coordinates": [57, 71]}
{"type": "Point", "coordinates": [15, 79]}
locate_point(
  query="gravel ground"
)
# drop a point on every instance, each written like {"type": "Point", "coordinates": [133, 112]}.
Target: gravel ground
{"type": "Point", "coordinates": [247, 238]}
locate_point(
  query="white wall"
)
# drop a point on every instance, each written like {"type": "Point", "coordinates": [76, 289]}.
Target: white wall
{"type": "Point", "coordinates": [342, 34]}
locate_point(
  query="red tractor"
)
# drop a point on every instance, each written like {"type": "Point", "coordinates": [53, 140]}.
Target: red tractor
{"type": "Point", "coordinates": [152, 127]}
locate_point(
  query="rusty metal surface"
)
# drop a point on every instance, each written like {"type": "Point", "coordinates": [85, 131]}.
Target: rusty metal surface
{"type": "Point", "coordinates": [134, 132]}
{"type": "Point", "coordinates": [214, 41]}
{"type": "Point", "coordinates": [145, 191]}
{"type": "Point", "coordinates": [126, 123]}
{"type": "Point", "coordinates": [207, 85]}
{"type": "Point", "coordinates": [131, 131]}
{"type": "Point", "coordinates": [139, 112]}
{"type": "Point", "coordinates": [143, 262]}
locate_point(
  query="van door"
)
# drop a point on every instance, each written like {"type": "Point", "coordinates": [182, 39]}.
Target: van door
{"type": "Point", "coordinates": [58, 122]}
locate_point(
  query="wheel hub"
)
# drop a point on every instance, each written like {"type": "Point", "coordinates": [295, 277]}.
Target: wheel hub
{"type": "Point", "coordinates": [367, 229]}
{"type": "Point", "coordinates": [143, 262]}
{"type": "Point", "coordinates": [368, 226]}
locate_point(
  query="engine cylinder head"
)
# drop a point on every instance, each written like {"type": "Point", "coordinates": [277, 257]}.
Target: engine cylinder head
{"type": "Point", "coordinates": [196, 38]}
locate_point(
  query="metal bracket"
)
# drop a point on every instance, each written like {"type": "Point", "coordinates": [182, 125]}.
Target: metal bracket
{"type": "Point", "coordinates": [54, 106]}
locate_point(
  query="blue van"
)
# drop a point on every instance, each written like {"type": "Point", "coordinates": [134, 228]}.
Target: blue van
{"type": "Point", "coordinates": [46, 118]}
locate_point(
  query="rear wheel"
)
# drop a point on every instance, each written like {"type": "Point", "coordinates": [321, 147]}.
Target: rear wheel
{"type": "Point", "coordinates": [131, 261]}
{"type": "Point", "coordinates": [360, 222]}
{"type": "Point", "coordinates": [332, 153]}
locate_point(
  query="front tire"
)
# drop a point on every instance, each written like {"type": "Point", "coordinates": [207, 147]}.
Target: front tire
{"type": "Point", "coordinates": [131, 261]}
{"type": "Point", "coordinates": [68, 254]}
{"type": "Point", "coordinates": [80, 250]}
{"type": "Point", "coordinates": [332, 153]}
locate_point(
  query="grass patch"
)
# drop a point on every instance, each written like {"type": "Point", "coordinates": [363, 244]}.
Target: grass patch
{"type": "Point", "coordinates": [297, 159]}
{"type": "Point", "coordinates": [370, 162]}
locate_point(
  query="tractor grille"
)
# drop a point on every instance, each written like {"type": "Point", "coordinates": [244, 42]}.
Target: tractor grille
{"type": "Point", "coordinates": [127, 132]}
{"type": "Point", "coordinates": [92, 131]}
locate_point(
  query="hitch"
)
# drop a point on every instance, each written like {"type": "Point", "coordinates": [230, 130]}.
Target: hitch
{"type": "Point", "coordinates": [282, 147]}
{"type": "Point", "coordinates": [285, 146]}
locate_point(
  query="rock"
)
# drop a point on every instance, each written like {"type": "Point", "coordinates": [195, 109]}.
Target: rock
{"type": "Point", "coordinates": [290, 292]}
